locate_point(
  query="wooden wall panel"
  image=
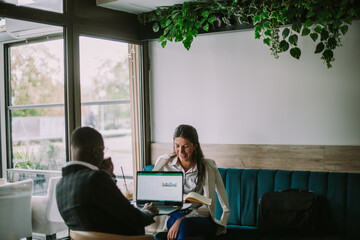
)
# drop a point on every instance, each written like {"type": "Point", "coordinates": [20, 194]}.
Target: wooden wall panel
{"type": "Point", "coordinates": [285, 157]}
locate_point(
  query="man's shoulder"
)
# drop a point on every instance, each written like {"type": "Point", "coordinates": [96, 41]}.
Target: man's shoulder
{"type": "Point", "coordinates": [81, 174]}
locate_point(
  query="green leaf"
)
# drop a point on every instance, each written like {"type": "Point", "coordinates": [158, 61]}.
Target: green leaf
{"type": "Point", "coordinates": [344, 29]}
{"type": "Point", "coordinates": [324, 35]}
{"type": "Point", "coordinates": [152, 17]}
{"type": "Point", "coordinates": [293, 39]}
{"type": "Point", "coordinates": [194, 32]}
{"type": "Point", "coordinates": [161, 38]}
{"type": "Point", "coordinates": [295, 52]}
{"type": "Point", "coordinates": [187, 43]}
{"type": "Point", "coordinates": [206, 27]}
{"type": "Point", "coordinates": [181, 23]}
{"type": "Point", "coordinates": [318, 29]}
{"type": "Point", "coordinates": [281, 19]}
{"type": "Point", "coordinates": [179, 38]}
{"type": "Point", "coordinates": [352, 12]}
{"type": "Point", "coordinates": [308, 23]}
{"type": "Point", "coordinates": [314, 36]}
{"type": "Point", "coordinates": [348, 19]}
{"type": "Point", "coordinates": [205, 14]}
{"type": "Point", "coordinates": [163, 44]}
{"type": "Point", "coordinates": [267, 41]}
{"type": "Point", "coordinates": [296, 26]}
{"type": "Point", "coordinates": [285, 33]}
{"type": "Point", "coordinates": [275, 5]}
{"type": "Point", "coordinates": [265, 15]}
{"type": "Point", "coordinates": [203, 20]}
{"type": "Point", "coordinates": [328, 54]}
{"type": "Point", "coordinates": [211, 20]}
{"type": "Point", "coordinates": [332, 43]}
{"type": "Point", "coordinates": [257, 28]}
{"type": "Point", "coordinates": [320, 47]}
{"type": "Point", "coordinates": [257, 35]}
{"type": "Point", "coordinates": [305, 31]}
{"type": "Point", "coordinates": [274, 14]}
{"type": "Point", "coordinates": [284, 46]}
{"type": "Point", "coordinates": [310, 14]}
{"type": "Point", "coordinates": [267, 32]}
{"type": "Point", "coordinates": [156, 27]}
{"type": "Point", "coordinates": [163, 22]}
{"type": "Point", "coordinates": [168, 22]}
{"type": "Point", "coordinates": [197, 25]}
{"type": "Point", "coordinates": [337, 23]}
{"type": "Point", "coordinates": [266, 24]}
{"type": "Point", "coordinates": [256, 19]}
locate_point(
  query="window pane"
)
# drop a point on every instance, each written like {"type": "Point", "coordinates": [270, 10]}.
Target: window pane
{"type": "Point", "coordinates": [38, 139]}
{"type": "Point", "coordinates": [114, 123]}
{"type": "Point", "coordinates": [37, 109]}
{"type": "Point", "coordinates": [48, 5]}
{"type": "Point", "coordinates": [37, 73]}
{"type": "Point", "coordinates": [104, 70]}
{"type": "Point", "coordinates": [105, 96]}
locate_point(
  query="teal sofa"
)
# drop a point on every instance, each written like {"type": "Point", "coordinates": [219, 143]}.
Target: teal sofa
{"type": "Point", "coordinates": [340, 218]}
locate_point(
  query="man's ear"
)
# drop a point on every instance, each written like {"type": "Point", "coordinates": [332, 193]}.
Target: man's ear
{"type": "Point", "coordinates": [94, 151]}
{"type": "Point", "coordinates": [74, 153]}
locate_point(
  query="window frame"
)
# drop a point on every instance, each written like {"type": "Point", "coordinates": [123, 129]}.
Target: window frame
{"type": "Point", "coordinates": [7, 93]}
{"type": "Point", "coordinates": [96, 22]}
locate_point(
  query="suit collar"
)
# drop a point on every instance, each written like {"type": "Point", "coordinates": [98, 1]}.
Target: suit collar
{"type": "Point", "coordinates": [85, 164]}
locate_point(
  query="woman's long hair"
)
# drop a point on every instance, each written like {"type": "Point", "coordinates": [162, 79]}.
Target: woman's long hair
{"type": "Point", "coordinates": [188, 132]}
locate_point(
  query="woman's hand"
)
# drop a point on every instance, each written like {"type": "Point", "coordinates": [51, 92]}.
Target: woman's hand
{"type": "Point", "coordinates": [174, 230]}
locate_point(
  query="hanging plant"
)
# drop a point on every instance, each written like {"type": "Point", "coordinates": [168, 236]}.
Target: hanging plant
{"type": "Point", "coordinates": [182, 22]}
{"type": "Point", "coordinates": [324, 21]}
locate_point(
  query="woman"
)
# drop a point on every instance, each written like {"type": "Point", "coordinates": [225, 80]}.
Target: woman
{"type": "Point", "coordinates": [200, 175]}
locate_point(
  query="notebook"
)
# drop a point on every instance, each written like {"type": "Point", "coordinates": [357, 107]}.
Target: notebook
{"type": "Point", "coordinates": [164, 189]}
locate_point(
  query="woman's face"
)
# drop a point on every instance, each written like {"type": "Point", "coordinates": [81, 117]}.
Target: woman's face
{"type": "Point", "coordinates": [184, 148]}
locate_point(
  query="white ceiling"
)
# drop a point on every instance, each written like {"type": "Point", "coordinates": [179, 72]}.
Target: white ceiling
{"type": "Point", "coordinates": [136, 6]}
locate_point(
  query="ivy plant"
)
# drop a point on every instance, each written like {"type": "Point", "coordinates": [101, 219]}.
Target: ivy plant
{"type": "Point", "coordinates": [279, 23]}
{"type": "Point", "coordinates": [182, 22]}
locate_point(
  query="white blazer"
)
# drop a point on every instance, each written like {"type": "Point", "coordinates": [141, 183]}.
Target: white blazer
{"type": "Point", "coordinates": [213, 183]}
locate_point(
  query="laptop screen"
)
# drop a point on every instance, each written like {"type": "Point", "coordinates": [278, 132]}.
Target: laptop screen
{"type": "Point", "coordinates": [159, 187]}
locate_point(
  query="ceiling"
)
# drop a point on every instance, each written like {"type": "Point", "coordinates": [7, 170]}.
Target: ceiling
{"type": "Point", "coordinates": [14, 30]}
{"type": "Point", "coordinates": [136, 6]}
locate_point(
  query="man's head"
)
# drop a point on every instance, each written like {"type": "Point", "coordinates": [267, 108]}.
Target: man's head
{"type": "Point", "coordinates": [87, 145]}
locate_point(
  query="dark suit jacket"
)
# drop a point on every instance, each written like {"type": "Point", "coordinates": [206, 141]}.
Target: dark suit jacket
{"type": "Point", "coordinates": [89, 200]}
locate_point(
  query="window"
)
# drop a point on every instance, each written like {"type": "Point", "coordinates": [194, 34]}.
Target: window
{"type": "Point", "coordinates": [36, 105]}
{"type": "Point", "coordinates": [105, 97]}
{"type": "Point", "coordinates": [48, 5]}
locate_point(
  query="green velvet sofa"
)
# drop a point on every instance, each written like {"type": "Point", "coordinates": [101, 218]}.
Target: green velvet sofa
{"type": "Point", "coordinates": [340, 218]}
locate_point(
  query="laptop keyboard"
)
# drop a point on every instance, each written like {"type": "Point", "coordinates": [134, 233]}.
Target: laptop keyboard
{"type": "Point", "coordinates": [163, 210]}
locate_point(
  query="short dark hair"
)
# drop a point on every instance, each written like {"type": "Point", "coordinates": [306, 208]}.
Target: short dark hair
{"type": "Point", "coordinates": [86, 136]}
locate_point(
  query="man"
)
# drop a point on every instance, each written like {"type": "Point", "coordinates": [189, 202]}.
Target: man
{"type": "Point", "coordinates": [87, 196]}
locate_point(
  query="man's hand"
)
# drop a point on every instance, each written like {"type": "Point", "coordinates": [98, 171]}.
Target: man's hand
{"type": "Point", "coordinates": [108, 166]}
{"type": "Point", "coordinates": [174, 230]}
{"type": "Point", "coordinates": [151, 207]}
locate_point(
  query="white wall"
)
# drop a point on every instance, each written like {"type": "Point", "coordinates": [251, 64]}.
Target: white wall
{"type": "Point", "coordinates": [233, 91]}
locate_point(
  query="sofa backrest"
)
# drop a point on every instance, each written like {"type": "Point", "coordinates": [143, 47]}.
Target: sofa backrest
{"type": "Point", "coordinates": [341, 192]}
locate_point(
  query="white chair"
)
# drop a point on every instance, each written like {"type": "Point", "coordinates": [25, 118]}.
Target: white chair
{"type": "Point", "coordinates": [88, 235]}
{"type": "Point", "coordinates": [15, 210]}
{"type": "Point", "coordinates": [46, 218]}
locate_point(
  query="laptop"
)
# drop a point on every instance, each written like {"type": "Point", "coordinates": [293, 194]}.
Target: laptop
{"type": "Point", "coordinates": [164, 189]}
